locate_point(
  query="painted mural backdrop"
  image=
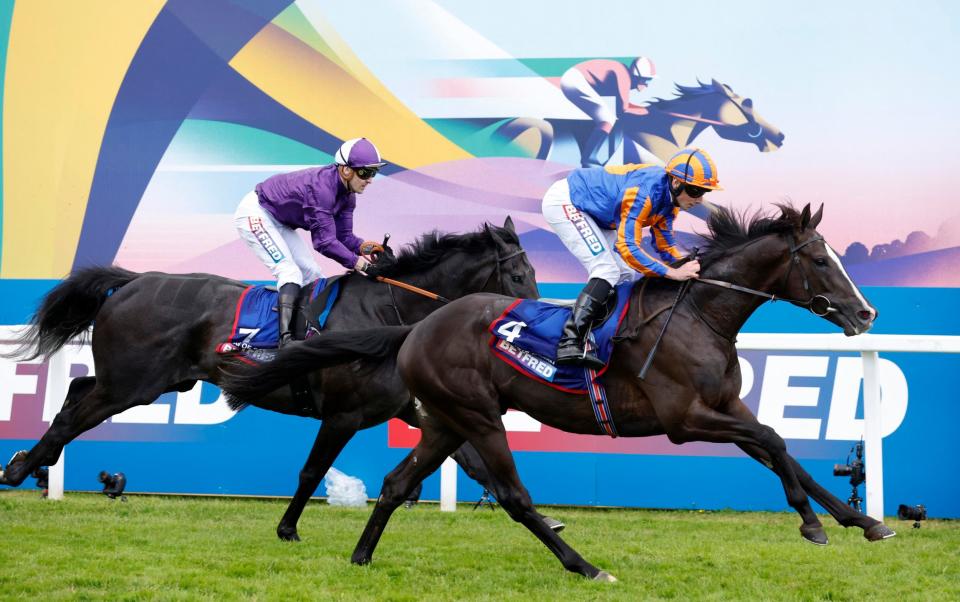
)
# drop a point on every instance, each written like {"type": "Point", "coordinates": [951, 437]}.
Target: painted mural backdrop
{"type": "Point", "coordinates": [132, 130]}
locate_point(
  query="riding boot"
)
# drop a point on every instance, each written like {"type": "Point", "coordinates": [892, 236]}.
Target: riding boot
{"type": "Point", "coordinates": [591, 148]}
{"type": "Point", "coordinates": [587, 309]}
{"type": "Point", "coordinates": [286, 302]}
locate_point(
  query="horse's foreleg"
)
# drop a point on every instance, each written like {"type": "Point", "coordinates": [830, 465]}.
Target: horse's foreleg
{"type": "Point", "coordinates": [334, 434]}
{"type": "Point", "coordinates": [874, 530]}
{"type": "Point", "coordinates": [702, 423]}
{"type": "Point", "coordinates": [513, 496]}
{"type": "Point", "coordinates": [84, 408]}
{"type": "Point", "coordinates": [436, 443]}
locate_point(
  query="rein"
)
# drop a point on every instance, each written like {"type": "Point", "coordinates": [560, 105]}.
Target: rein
{"type": "Point", "coordinates": [430, 295]}
{"type": "Point", "coordinates": [794, 261]}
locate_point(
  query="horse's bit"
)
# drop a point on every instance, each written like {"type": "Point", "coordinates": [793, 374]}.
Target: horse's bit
{"type": "Point", "coordinates": [794, 261]}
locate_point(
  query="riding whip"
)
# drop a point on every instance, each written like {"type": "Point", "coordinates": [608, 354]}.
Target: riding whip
{"type": "Point", "coordinates": [653, 350]}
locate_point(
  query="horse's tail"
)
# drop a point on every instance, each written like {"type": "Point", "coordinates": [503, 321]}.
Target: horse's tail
{"type": "Point", "coordinates": [68, 310]}
{"type": "Point", "coordinates": [245, 383]}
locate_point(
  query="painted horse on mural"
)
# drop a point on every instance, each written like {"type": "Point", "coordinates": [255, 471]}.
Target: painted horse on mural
{"type": "Point", "coordinates": [671, 125]}
{"type": "Point", "coordinates": [690, 393]}
{"type": "Point", "coordinates": [155, 333]}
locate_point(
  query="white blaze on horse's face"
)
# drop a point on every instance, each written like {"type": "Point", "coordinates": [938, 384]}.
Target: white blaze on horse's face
{"type": "Point", "coordinates": [865, 314]}
{"type": "Point", "coordinates": [848, 309]}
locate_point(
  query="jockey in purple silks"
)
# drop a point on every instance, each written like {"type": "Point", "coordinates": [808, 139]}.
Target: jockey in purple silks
{"type": "Point", "coordinates": [599, 214]}
{"type": "Point", "coordinates": [320, 200]}
{"type": "Point", "coordinates": [585, 84]}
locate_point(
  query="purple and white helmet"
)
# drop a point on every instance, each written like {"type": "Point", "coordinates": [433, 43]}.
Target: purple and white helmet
{"type": "Point", "coordinates": [358, 152]}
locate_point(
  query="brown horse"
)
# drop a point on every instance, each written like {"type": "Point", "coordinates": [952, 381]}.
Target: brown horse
{"type": "Point", "coordinates": [690, 393]}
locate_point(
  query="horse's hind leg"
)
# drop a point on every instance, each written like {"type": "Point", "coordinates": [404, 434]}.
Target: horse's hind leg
{"type": "Point", "coordinates": [471, 462]}
{"type": "Point", "coordinates": [334, 434]}
{"type": "Point", "coordinates": [436, 443]}
{"type": "Point", "coordinates": [24, 463]}
{"type": "Point", "coordinates": [492, 446]}
{"type": "Point", "coordinates": [87, 404]}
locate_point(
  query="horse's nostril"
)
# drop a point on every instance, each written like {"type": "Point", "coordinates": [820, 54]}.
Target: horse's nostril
{"type": "Point", "coordinates": [865, 315]}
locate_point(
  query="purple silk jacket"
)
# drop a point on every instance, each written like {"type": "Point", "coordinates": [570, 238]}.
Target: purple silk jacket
{"type": "Point", "coordinates": [315, 199]}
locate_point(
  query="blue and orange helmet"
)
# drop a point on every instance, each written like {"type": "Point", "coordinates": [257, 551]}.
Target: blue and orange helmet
{"type": "Point", "coordinates": [695, 167]}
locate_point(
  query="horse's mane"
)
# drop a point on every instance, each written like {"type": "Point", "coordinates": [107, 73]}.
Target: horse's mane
{"type": "Point", "coordinates": [700, 89]}
{"type": "Point", "coordinates": [427, 250]}
{"type": "Point", "coordinates": [730, 229]}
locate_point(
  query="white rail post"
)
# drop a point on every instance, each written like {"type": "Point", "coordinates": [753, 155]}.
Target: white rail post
{"type": "Point", "coordinates": [58, 377]}
{"type": "Point", "coordinates": [448, 485]}
{"type": "Point", "coordinates": [873, 433]}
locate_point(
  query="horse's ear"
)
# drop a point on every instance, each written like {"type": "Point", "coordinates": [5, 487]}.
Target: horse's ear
{"type": "Point", "coordinates": [508, 225]}
{"type": "Point", "coordinates": [815, 219]}
{"type": "Point", "coordinates": [720, 86]}
{"type": "Point", "coordinates": [805, 217]}
{"type": "Point", "coordinates": [496, 237]}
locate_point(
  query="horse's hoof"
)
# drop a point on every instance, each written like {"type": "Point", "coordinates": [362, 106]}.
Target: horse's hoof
{"type": "Point", "coordinates": [879, 532]}
{"type": "Point", "coordinates": [360, 560]}
{"type": "Point", "coordinates": [18, 457]}
{"type": "Point", "coordinates": [288, 535]}
{"type": "Point", "coordinates": [814, 535]}
{"type": "Point", "coordinates": [555, 525]}
{"type": "Point", "coordinates": [605, 576]}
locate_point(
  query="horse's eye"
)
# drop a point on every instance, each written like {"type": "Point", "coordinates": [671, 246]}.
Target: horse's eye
{"type": "Point", "coordinates": [820, 261]}
{"type": "Point", "coordinates": [517, 278]}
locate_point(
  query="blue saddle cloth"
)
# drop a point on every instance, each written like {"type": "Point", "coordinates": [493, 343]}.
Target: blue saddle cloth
{"type": "Point", "coordinates": [256, 325]}
{"type": "Point", "coordinates": [526, 336]}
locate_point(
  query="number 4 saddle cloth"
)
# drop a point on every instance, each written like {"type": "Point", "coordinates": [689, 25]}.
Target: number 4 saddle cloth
{"type": "Point", "coordinates": [526, 335]}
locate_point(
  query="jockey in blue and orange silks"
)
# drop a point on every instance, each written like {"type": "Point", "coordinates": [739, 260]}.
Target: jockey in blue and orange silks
{"type": "Point", "coordinates": [599, 213]}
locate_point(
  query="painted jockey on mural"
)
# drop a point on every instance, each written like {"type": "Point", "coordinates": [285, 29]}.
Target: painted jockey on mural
{"type": "Point", "coordinates": [587, 83]}
{"type": "Point", "coordinates": [320, 200]}
{"type": "Point", "coordinates": [599, 212]}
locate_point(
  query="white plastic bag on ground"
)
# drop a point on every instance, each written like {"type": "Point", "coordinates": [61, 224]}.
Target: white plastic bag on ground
{"type": "Point", "coordinates": [344, 490]}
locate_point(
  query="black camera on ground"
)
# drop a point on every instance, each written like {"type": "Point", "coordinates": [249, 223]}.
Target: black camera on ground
{"type": "Point", "coordinates": [113, 484]}
{"type": "Point", "coordinates": [915, 513]}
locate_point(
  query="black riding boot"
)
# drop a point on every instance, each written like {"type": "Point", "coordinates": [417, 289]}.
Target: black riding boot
{"type": "Point", "coordinates": [588, 308]}
{"type": "Point", "coordinates": [285, 303]}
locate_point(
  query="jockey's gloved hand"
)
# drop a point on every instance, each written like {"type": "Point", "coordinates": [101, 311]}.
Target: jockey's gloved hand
{"type": "Point", "coordinates": [362, 265]}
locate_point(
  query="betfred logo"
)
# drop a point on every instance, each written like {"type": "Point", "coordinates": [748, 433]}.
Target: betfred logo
{"type": "Point", "coordinates": [584, 229]}
{"type": "Point", "coordinates": [530, 361]}
{"type": "Point", "coordinates": [256, 226]}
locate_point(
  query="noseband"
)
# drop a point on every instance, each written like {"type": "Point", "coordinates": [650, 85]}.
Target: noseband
{"type": "Point", "coordinates": [814, 303]}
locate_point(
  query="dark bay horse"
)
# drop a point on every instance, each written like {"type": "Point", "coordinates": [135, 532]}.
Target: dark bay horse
{"type": "Point", "coordinates": [689, 394]}
{"type": "Point", "coordinates": [158, 333]}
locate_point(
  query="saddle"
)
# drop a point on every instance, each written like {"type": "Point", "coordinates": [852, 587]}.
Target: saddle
{"type": "Point", "coordinates": [255, 329]}
{"type": "Point", "coordinates": [526, 334]}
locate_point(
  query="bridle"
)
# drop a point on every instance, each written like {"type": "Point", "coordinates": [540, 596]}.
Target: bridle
{"type": "Point", "coordinates": [794, 261]}
{"type": "Point", "coordinates": [498, 272]}
{"type": "Point", "coordinates": [498, 261]}
{"type": "Point", "coordinates": [814, 303]}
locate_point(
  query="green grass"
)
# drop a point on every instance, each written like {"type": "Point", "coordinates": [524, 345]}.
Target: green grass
{"type": "Point", "coordinates": [170, 548]}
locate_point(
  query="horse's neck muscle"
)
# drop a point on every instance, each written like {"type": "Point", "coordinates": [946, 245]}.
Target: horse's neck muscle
{"type": "Point", "coordinates": [728, 310]}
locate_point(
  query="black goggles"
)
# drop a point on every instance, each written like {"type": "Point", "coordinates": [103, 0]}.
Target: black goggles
{"type": "Point", "coordinates": [695, 191]}
{"type": "Point", "coordinates": [366, 173]}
